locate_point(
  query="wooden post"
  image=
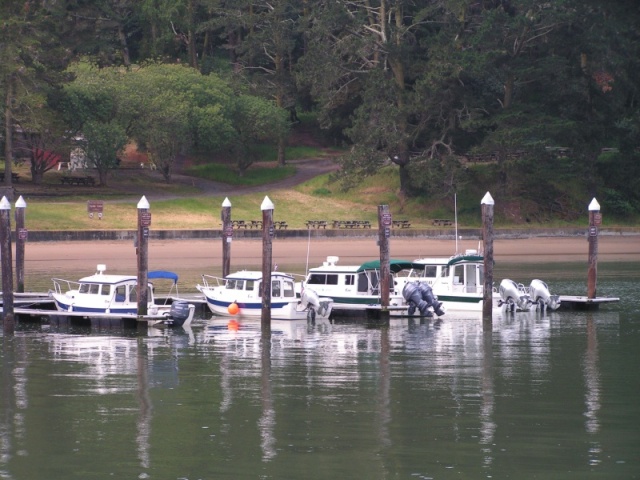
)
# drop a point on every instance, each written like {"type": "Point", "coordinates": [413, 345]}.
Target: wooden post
{"type": "Point", "coordinates": [227, 234]}
{"type": "Point", "coordinates": [5, 264]}
{"type": "Point", "coordinates": [595, 219]}
{"type": "Point", "coordinates": [144, 221]}
{"type": "Point", "coordinates": [267, 208]}
{"type": "Point", "coordinates": [487, 238]}
{"type": "Point", "coordinates": [384, 232]}
{"type": "Point", "coordinates": [21, 240]}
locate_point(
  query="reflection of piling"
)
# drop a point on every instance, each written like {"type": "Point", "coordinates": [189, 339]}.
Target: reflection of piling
{"type": "Point", "coordinates": [6, 265]}
{"type": "Point", "coordinates": [267, 208]}
{"type": "Point", "coordinates": [21, 240]}
{"type": "Point", "coordinates": [487, 237]}
{"type": "Point", "coordinates": [384, 232]}
{"type": "Point", "coordinates": [144, 221]}
{"type": "Point", "coordinates": [595, 219]}
{"type": "Point", "coordinates": [227, 235]}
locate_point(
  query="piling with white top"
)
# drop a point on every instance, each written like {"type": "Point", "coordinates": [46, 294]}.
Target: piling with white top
{"type": "Point", "coordinates": [267, 208]}
{"type": "Point", "coordinates": [227, 236]}
{"type": "Point", "coordinates": [487, 238]}
{"type": "Point", "coordinates": [7, 268]}
{"type": "Point", "coordinates": [144, 222]}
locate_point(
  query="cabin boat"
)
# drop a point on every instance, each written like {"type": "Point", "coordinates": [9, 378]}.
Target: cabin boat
{"type": "Point", "coordinates": [240, 294]}
{"type": "Point", "coordinates": [356, 288]}
{"type": "Point", "coordinates": [116, 296]}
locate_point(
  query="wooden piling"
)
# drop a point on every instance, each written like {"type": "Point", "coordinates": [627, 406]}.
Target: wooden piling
{"type": "Point", "coordinates": [227, 236]}
{"type": "Point", "coordinates": [144, 222]}
{"type": "Point", "coordinates": [7, 268]}
{"type": "Point", "coordinates": [595, 220]}
{"type": "Point", "coordinates": [384, 232]}
{"type": "Point", "coordinates": [267, 208]}
{"type": "Point", "coordinates": [21, 240]}
{"type": "Point", "coordinates": [487, 238]}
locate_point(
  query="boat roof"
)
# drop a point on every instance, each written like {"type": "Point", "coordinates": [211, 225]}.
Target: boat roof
{"type": "Point", "coordinates": [466, 258]}
{"type": "Point", "coordinates": [395, 265]}
{"type": "Point", "coordinates": [254, 275]}
{"type": "Point", "coordinates": [113, 279]}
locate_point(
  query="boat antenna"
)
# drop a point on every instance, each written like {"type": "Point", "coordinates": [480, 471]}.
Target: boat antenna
{"type": "Point", "coordinates": [455, 213]}
{"type": "Point", "coordinates": [306, 271]}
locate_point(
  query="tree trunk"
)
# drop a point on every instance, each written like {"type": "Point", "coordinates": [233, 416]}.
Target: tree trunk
{"type": "Point", "coordinates": [125, 48]}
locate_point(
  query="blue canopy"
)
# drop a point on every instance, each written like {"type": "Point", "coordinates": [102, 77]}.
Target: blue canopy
{"type": "Point", "coordinates": [163, 274]}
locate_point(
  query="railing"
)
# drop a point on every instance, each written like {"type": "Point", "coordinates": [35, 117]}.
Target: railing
{"type": "Point", "coordinates": [71, 285]}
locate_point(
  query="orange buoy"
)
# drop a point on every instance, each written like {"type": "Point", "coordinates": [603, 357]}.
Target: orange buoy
{"type": "Point", "coordinates": [233, 308]}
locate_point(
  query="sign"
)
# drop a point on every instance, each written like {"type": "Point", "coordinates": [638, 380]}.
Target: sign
{"type": "Point", "coordinates": [229, 231]}
{"type": "Point", "coordinates": [95, 206]}
{"type": "Point", "coordinates": [271, 231]}
{"type": "Point", "coordinates": [22, 234]}
{"type": "Point", "coordinates": [597, 219]}
{"type": "Point", "coordinates": [145, 232]}
{"type": "Point", "coordinates": [593, 231]}
{"type": "Point", "coordinates": [387, 232]}
{"type": "Point", "coordinates": [145, 219]}
{"type": "Point", "coordinates": [386, 219]}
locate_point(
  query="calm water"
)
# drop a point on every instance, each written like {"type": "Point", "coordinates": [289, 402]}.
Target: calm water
{"type": "Point", "coordinates": [551, 396]}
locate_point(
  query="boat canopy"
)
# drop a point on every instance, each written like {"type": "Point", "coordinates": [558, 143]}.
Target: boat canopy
{"type": "Point", "coordinates": [394, 265]}
{"type": "Point", "coordinates": [465, 258]}
{"type": "Point", "coordinates": [163, 275]}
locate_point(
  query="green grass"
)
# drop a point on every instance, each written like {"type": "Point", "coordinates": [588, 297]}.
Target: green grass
{"type": "Point", "coordinates": [256, 175]}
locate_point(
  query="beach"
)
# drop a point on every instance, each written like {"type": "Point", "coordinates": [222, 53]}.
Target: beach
{"type": "Point", "coordinates": [177, 255]}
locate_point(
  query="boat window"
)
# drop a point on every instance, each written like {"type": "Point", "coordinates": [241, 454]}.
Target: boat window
{"type": "Point", "coordinates": [106, 290]}
{"type": "Point", "coordinates": [94, 288]}
{"type": "Point", "coordinates": [239, 284]}
{"type": "Point", "coordinates": [363, 283]}
{"type": "Point", "coordinates": [430, 271]}
{"type": "Point", "coordinates": [317, 279]}
{"type": "Point", "coordinates": [231, 284]}
{"type": "Point", "coordinates": [349, 280]}
{"type": "Point", "coordinates": [84, 288]}
{"type": "Point", "coordinates": [121, 293]}
{"type": "Point", "coordinates": [249, 285]}
{"type": "Point", "coordinates": [133, 294]}
{"type": "Point", "coordinates": [332, 279]}
{"type": "Point", "coordinates": [445, 271]}
{"type": "Point", "coordinates": [275, 288]}
{"type": "Point", "coordinates": [287, 289]}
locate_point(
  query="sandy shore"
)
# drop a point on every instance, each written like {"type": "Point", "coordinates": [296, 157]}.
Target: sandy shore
{"type": "Point", "coordinates": [203, 254]}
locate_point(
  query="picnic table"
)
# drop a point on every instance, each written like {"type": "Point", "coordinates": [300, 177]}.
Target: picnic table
{"type": "Point", "coordinates": [69, 180]}
{"type": "Point", "coordinates": [401, 223]}
{"type": "Point", "coordinates": [255, 224]}
{"type": "Point", "coordinates": [14, 177]}
{"type": "Point", "coordinates": [442, 221]}
{"type": "Point", "coordinates": [316, 224]}
{"type": "Point", "coordinates": [238, 224]}
{"type": "Point", "coordinates": [351, 224]}
{"type": "Point", "coordinates": [280, 225]}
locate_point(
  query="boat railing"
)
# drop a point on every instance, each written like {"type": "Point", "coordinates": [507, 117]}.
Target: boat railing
{"type": "Point", "coordinates": [210, 281]}
{"type": "Point", "coordinates": [59, 283]}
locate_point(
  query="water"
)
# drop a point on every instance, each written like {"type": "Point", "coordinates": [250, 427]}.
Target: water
{"type": "Point", "coordinates": [551, 396]}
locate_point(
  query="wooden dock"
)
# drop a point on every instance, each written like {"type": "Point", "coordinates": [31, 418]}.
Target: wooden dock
{"type": "Point", "coordinates": [575, 302]}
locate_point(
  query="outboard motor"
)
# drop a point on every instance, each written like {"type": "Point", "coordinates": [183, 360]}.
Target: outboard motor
{"type": "Point", "coordinates": [180, 312]}
{"type": "Point", "coordinates": [310, 300]}
{"type": "Point", "coordinates": [540, 294]}
{"type": "Point", "coordinates": [420, 296]}
{"type": "Point", "coordinates": [512, 296]}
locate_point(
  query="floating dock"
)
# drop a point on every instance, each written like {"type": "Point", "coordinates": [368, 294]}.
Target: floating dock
{"type": "Point", "coordinates": [575, 302]}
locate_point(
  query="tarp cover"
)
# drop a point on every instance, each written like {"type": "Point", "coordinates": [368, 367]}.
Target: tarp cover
{"type": "Point", "coordinates": [163, 274]}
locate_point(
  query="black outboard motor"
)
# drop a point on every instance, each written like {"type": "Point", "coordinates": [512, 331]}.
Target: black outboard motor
{"type": "Point", "coordinates": [179, 312]}
{"type": "Point", "coordinates": [420, 295]}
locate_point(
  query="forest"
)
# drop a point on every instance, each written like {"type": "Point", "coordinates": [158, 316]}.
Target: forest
{"type": "Point", "coordinates": [537, 100]}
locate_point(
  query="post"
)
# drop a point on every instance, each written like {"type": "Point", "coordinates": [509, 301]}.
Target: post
{"type": "Point", "coordinates": [267, 208]}
{"type": "Point", "coordinates": [144, 221]}
{"type": "Point", "coordinates": [227, 234]}
{"type": "Point", "coordinates": [5, 264]}
{"type": "Point", "coordinates": [595, 220]}
{"type": "Point", "coordinates": [384, 232]}
{"type": "Point", "coordinates": [21, 240]}
{"type": "Point", "coordinates": [487, 238]}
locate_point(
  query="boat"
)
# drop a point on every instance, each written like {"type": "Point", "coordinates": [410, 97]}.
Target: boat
{"type": "Point", "coordinates": [355, 289]}
{"type": "Point", "coordinates": [240, 294]}
{"type": "Point", "coordinates": [104, 295]}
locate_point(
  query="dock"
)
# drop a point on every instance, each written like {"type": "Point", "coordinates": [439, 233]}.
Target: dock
{"type": "Point", "coordinates": [576, 302]}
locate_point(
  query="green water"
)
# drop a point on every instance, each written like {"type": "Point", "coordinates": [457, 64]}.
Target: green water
{"type": "Point", "coordinates": [549, 396]}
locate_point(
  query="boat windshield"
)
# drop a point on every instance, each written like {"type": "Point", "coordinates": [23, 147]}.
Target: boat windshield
{"type": "Point", "coordinates": [233, 284]}
{"type": "Point", "coordinates": [94, 289]}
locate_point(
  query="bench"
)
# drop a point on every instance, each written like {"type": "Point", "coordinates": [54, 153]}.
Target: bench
{"type": "Point", "coordinates": [280, 225]}
{"type": "Point", "coordinates": [238, 224]}
{"type": "Point", "coordinates": [14, 177]}
{"type": "Point", "coordinates": [442, 222]}
{"type": "Point", "coordinates": [88, 180]}
{"type": "Point", "coordinates": [316, 224]}
{"type": "Point", "coordinates": [351, 224]}
{"type": "Point", "coordinates": [401, 223]}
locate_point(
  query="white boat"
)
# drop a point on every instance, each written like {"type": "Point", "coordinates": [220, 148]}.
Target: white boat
{"type": "Point", "coordinates": [116, 296]}
{"type": "Point", "coordinates": [356, 288]}
{"type": "Point", "coordinates": [240, 294]}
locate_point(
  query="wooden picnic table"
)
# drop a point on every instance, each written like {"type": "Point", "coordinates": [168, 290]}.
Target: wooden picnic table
{"type": "Point", "coordinates": [238, 224]}
{"type": "Point", "coordinates": [280, 225]}
{"type": "Point", "coordinates": [69, 180]}
{"type": "Point", "coordinates": [442, 221]}
{"type": "Point", "coordinates": [255, 223]}
{"type": "Point", "coordinates": [351, 224]}
{"type": "Point", "coordinates": [316, 224]}
{"type": "Point", "coordinates": [401, 223]}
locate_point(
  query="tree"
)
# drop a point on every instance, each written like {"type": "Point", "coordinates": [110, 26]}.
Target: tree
{"type": "Point", "coordinates": [101, 143]}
